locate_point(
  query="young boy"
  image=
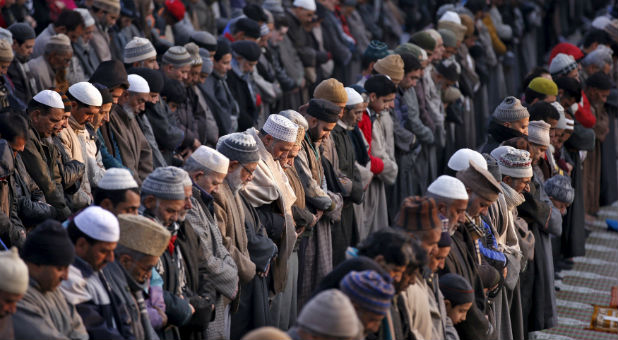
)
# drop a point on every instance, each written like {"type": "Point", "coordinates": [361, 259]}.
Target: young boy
{"type": "Point", "coordinates": [458, 299]}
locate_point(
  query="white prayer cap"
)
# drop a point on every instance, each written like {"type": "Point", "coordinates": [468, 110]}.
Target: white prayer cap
{"type": "Point", "coordinates": [538, 133]}
{"type": "Point", "coordinates": [460, 160]}
{"type": "Point", "coordinates": [88, 19]}
{"type": "Point", "coordinates": [138, 84]}
{"type": "Point", "coordinates": [98, 223]}
{"type": "Point", "coordinates": [49, 98]}
{"type": "Point", "coordinates": [86, 93]}
{"type": "Point", "coordinates": [448, 187]}
{"type": "Point", "coordinates": [14, 272]}
{"type": "Point", "coordinates": [354, 97]}
{"type": "Point", "coordinates": [306, 4]}
{"type": "Point", "coordinates": [117, 179]}
{"type": "Point", "coordinates": [600, 22]}
{"type": "Point", "coordinates": [451, 16]}
{"type": "Point", "coordinates": [211, 159]}
{"type": "Point", "coordinates": [281, 128]}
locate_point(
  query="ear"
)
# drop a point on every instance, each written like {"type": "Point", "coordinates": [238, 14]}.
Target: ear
{"type": "Point", "coordinates": [124, 260]}
{"type": "Point", "coordinates": [268, 139]}
{"type": "Point", "coordinates": [107, 204]}
{"type": "Point", "coordinates": [373, 97]}
{"type": "Point", "coordinates": [380, 260]}
{"type": "Point", "coordinates": [81, 244]}
{"type": "Point", "coordinates": [447, 303]}
{"type": "Point", "coordinates": [507, 124]}
{"type": "Point", "coordinates": [507, 179]}
{"type": "Point", "coordinates": [233, 166]}
{"type": "Point", "coordinates": [150, 201]}
{"type": "Point", "coordinates": [196, 175]}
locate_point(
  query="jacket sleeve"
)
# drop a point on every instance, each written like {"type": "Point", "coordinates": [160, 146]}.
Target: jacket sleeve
{"type": "Point", "coordinates": [37, 169]}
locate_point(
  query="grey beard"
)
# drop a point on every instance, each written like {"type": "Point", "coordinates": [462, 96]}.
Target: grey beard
{"type": "Point", "coordinates": [235, 182]}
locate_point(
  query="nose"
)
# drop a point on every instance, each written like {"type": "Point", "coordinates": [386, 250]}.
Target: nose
{"type": "Point", "coordinates": [110, 257]}
{"type": "Point", "coordinates": [527, 188]}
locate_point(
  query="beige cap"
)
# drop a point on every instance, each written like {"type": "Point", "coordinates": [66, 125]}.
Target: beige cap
{"type": "Point", "coordinates": [142, 234]}
{"type": "Point", "coordinates": [14, 272]}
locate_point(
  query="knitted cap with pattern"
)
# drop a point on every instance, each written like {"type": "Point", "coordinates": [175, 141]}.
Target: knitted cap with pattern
{"type": "Point", "coordinates": [6, 51]}
{"type": "Point", "coordinates": [117, 179]}
{"type": "Point", "coordinates": [418, 214]}
{"type": "Point", "coordinates": [510, 110]}
{"type": "Point", "coordinates": [566, 48]}
{"type": "Point", "coordinates": [138, 49]}
{"type": "Point", "coordinates": [544, 86]}
{"type": "Point", "coordinates": [177, 56]}
{"type": "Point", "coordinates": [204, 39]}
{"type": "Point", "coordinates": [562, 64]}
{"type": "Point", "coordinates": [376, 50]}
{"type": "Point", "coordinates": [332, 90]}
{"type": "Point", "coordinates": [559, 187]}
{"type": "Point", "coordinates": [515, 163]}
{"type": "Point", "coordinates": [165, 183]}
{"type": "Point", "coordinates": [58, 43]}
{"type": "Point", "coordinates": [480, 181]}
{"type": "Point", "coordinates": [239, 146]}
{"type": "Point", "coordinates": [538, 132]}
{"type": "Point", "coordinates": [194, 51]}
{"type": "Point", "coordinates": [391, 66]}
{"type": "Point", "coordinates": [368, 290]}
{"type": "Point", "coordinates": [424, 40]}
{"type": "Point", "coordinates": [280, 128]}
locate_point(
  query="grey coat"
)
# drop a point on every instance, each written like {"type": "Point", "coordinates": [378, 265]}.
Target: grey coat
{"type": "Point", "coordinates": [47, 315]}
{"type": "Point", "coordinates": [43, 73]}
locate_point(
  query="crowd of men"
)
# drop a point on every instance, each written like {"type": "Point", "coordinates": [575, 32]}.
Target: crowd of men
{"type": "Point", "coordinates": [299, 170]}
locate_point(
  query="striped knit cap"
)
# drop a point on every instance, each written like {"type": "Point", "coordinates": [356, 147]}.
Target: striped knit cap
{"type": "Point", "coordinates": [368, 290]}
{"type": "Point", "coordinates": [138, 49]}
{"type": "Point", "coordinates": [239, 146]}
{"type": "Point", "coordinates": [177, 56]}
{"type": "Point", "coordinates": [456, 289]}
{"type": "Point", "coordinates": [418, 214]}
{"type": "Point", "coordinates": [165, 183]}
{"type": "Point", "coordinates": [510, 110]}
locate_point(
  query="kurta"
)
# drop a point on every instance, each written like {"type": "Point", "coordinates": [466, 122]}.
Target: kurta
{"type": "Point", "coordinates": [43, 73]}
{"type": "Point", "coordinates": [47, 315]}
{"type": "Point", "coordinates": [73, 140]}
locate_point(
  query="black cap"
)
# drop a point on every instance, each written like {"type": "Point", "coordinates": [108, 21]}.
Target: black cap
{"type": "Point", "coordinates": [223, 48]}
{"type": "Point", "coordinates": [48, 244]}
{"type": "Point", "coordinates": [323, 110]}
{"type": "Point", "coordinates": [250, 27]}
{"type": "Point", "coordinates": [174, 91]}
{"type": "Point", "coordinates": [110, 73]}
{"type": "Point", "coordinates": [22, 32]}
{"type": "Point", "coordinates": [247, 49]}
{"type": "Point", "coordinates": [153, 77]}
{"type": "Point", "coordinates": [255, 12]}
{"type": "Point", "coordinates": [448, 70]}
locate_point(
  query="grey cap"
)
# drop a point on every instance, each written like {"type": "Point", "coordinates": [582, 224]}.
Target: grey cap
{"type": "Point", "coordinates": [510, 110]}
{"type": "Point", "coordinates": [331, 314]}
{"type": "Point", "coordinates": [239, 146]}
{"type": "Point", "coordinates": [207, 64]}
{"type": "Point", "coordinates": [559, 187]}
{"type": "Point", "coordinates": [166, 183]}
{"type": "Point", "coordinates": [177, 56]}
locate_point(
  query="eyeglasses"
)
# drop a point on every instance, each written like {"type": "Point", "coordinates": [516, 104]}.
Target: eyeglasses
{"type": "Point", "coordinates": [247, 170]}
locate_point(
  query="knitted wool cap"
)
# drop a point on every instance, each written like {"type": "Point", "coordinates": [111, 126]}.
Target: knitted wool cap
{"type": "Point", "coordinates": [368, 290]}
{"type": "Point", "coordinates": [424, 40]}
{"type": "Point", "coordinates": [566, 48]}
{"type": "Point", "coordinates": [515, 163]}
{"type": "Point", "coordinates": [6, 51]}
{"type": "Point", "coordinates": [412, 49]}
{"type": "Point", "coordinates": [480, 181]}
{"type": "Point", "coordinates": [460, 160]}
{"type": "Point", "coordinates": [6, 35]}
{"type": "Point", "coordinates": [559, 187]}
{"type": "Point", "coordinates": [165, 183]}
{"type": "Point", "coordinates": [177, 56]}
{"type": "Point", "coordinates": [204, 39]}
{"type": "Point", "coordinates": [306, 4]}
{"type": "Point", "coordinates": [492, 167]}
{"type": "Point", "coordinates": [194, 51]}
{"type": "Point", "coordinates": [544, 86]}
{"type": "Point", "coordinates": [300, 122]}
{"type": "Point", "coordinates": [562, 64]}
{"type": "Point", "coordinates": [211, 159]}
{"type": "Point", "coordinates": [418, 214]}
{"type": "Point", "coordinates": [266, 332]}
{"type": "Point", "coordinates": [323, 110]}
{"type": "Point", "coordinates": [138, 49]}
{"type": "Point", "coordinates": [456, 289]}
{"type": "Point", "coordinates": [332, 315]}
{"type": "Point", "coordinates": [510, 110]}
{"type": "Point", "coordinates": [376, 50]}
{"type": "Point", "coordinates": [448, 37]}
{"type": "Point", "coordinates": [280, 128]}
{"type": "Point", "coordinates": [112, 6]}
{"type": "Point", "coordinates": [58, 43]}
{"type": "Point", "coordinates": [240, 147]}
{"type": "Point", "coordinates": [391, 66]}
{"type": "Point", "coordinates": [98, 223]}
{"type": "Point", "coordinates": [176, 8]}
{"type": "Point", "coordinates": [538, 132]}
{"type": "Point", "coordinates": [22, 31]}
{"type": "Point", "coordinates": [332, 90]}
{"type": "Point", "coordinates": [448, 187]}
{"type": "Point", "coordinates": [117, 179]}
{"type": "Point", "coordinates": [458, 30]}
{"type": "Point", "coordinates": [88, 19]}
{"type": "Point", "coordinates": [48, 244]}
{"type": "Point", "coordinates": [143, 235]}
{"type": "Point", "coordinates": [600, 56]}
{"type": "Point", "coordinates": [14, 272]}
{"type": "Point", "coordinates": [223, 48]}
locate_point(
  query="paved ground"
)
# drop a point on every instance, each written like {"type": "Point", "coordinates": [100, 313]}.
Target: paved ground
{"type": "Point", "coordinates": [587, 284]}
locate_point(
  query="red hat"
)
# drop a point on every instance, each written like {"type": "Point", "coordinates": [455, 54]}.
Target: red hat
{"type": "Point", "coordinates": [176, 8]}
{"type": "Point", "coordinates": [566, 48]}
